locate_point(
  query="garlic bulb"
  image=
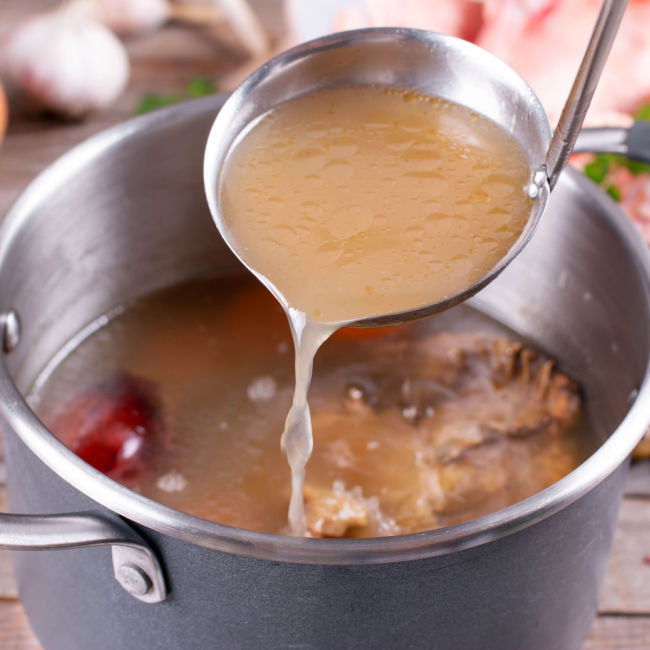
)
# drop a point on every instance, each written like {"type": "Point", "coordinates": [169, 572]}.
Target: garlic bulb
{"type": "Point", "coordinates": [132, 17]}
{"type": "Point", "coordinates": [66, 62]}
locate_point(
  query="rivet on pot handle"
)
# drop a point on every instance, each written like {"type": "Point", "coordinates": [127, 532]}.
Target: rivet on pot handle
{"type": "Point", "coordinates": [633, 142]}
{"type": "Point", "coordinates": [135, 566]}
{"type": "Point", "coordinates": [10, 328]}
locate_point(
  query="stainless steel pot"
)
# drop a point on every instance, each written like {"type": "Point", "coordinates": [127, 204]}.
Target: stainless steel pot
{"type": "Point", "coordinates": [124, 214]}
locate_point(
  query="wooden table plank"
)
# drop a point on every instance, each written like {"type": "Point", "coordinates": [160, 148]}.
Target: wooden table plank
{"type": "Point", "coordinates": [15, 632]}
{"type": "Point", "coordinates": [8, 589]}
{"type": "Point", "coordinates": [627, 585]}
{"type": "Point", "coordinates": [638, 480]}
{"type": "Point", "coordinates": [619, 633]}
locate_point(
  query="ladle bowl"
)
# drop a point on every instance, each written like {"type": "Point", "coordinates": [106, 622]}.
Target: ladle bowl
{"type": "Point", "coordinates": [430, 63]}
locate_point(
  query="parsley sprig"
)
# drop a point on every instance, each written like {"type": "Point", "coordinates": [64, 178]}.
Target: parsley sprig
{"type": "Point", "coordinates": [599, 168]}
{"type": "Point", "coordinates": [196, 87]}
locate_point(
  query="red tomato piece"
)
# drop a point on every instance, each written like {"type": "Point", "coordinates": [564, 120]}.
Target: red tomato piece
{"type": "Point", "coordinates": [111, 426]}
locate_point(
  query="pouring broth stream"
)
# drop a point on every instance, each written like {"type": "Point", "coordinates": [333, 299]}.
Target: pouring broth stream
{"type": "Point", "coordinates": [364, 201]}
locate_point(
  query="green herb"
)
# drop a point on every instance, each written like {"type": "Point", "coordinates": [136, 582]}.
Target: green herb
{"type": "Point", "coordinates": [614, 192]}
{"type": "Point", "coordinates": [643, 113]}
{"type": "Point", "coordinates": [603, 163]}
{"type": "Point", "coordinates": [598, 168]}
{"type": "Point", "coordinates": [636, 167]}
{"type": "Point", "coordinates": [200, 86]}
{"type": "Point", "coordinates": [196, 87]}
{"type": "Point", "coordinates": [151, 101]}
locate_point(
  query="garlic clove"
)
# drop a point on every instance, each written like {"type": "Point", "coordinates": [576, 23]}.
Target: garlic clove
{"type": "Point", "coordinates": [133, 17]}
{"type": "Point", "coordinates": [66, 62]}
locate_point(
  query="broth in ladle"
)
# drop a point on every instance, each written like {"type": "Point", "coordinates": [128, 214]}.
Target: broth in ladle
{"type": "Point", "coordinates": [361, 201]}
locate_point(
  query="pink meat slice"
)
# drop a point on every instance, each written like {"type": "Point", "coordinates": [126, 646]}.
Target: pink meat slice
{"type": "Point", "coordinates": [461, 18]}
{"type": "Point", "coordinates": [544, 41]}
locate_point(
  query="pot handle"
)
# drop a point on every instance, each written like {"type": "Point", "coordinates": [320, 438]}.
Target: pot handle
{"type": "Point", "coordinates": [632, 142]}
{"type": "Point", "coordinates": [135, 566]}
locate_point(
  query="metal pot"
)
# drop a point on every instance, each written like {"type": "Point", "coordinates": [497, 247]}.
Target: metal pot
{"type": "Point", "coordinates": [124, 214]}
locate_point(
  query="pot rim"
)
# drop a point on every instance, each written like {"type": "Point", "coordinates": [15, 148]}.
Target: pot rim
{"type": "Point", "coordinates": [268, 546]}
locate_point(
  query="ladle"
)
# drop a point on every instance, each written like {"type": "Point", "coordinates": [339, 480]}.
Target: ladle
{"type": "Point", "coordinates": [434, 64]}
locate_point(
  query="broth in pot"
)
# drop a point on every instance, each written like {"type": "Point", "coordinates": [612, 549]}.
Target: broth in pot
{"type": "Point", "coordinates": [415, 427]}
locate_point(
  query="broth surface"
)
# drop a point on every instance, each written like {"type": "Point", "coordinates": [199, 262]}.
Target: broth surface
{"type": "Point", "coordinates": [363, 201]}
{"type": "Point", "coordinates": [415, 427]}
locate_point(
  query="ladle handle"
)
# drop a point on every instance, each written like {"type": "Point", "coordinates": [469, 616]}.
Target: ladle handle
{"type": "Point", "coordinates": [585, 83]}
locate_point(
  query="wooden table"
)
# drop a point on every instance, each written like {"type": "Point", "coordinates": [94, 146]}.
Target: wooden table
{"type": "Point", "coordinates": [163, 63]}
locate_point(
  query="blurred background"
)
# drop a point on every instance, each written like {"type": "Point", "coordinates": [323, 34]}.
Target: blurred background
{"type": "Point", "coordinates": [71, 68]}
